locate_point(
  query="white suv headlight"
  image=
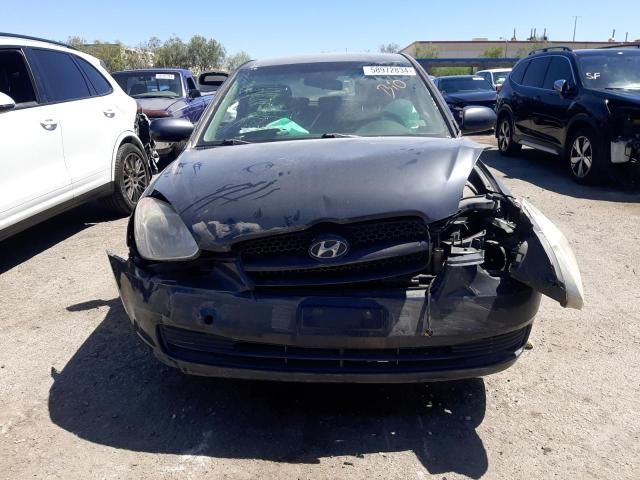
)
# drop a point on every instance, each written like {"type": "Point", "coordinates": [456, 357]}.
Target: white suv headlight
{"type": "Point", "coordinates": [160, 233]}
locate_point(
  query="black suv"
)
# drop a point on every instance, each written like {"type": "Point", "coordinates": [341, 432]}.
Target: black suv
{"type": "Point", "coordinates": [583, 105]}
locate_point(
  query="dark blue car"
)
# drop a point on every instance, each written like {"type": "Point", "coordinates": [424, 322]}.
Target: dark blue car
{"type": "Point", "coordinates": [164, 92]}
{"type": "Point", "coordinates": [461, 91]}
{"type": "Point", "coordinates": [328, 222]}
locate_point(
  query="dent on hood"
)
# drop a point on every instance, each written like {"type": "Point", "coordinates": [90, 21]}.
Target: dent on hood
{"type": "Point", "coordinates": [230, 193]}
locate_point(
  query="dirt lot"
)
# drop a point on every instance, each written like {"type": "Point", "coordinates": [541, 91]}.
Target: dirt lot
{"type": "Point", "coordinates": [80, 397]}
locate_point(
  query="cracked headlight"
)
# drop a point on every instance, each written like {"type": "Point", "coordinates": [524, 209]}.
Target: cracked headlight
{"type": "Point", "coordinates": [160, 233]}
{"type": "Point", "coordinates": [560, 253]}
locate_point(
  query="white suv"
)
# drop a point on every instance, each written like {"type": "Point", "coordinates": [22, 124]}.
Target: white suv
{"type": "Point", "coordinates": [495, 76]}
{"type": "Point", "coordinates": [67, 134]}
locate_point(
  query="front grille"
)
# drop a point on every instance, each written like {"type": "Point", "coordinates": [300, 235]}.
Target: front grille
{"type": "Point", "coordinates": [348, 273]}
{"type": "Point", "coordinates": [284, 259]}
{"type": "Point", "coordinates": [278, 245]}
{"type": "Point", "coordinates": [365, 233]}
{"type": "Point", "coordinates": [202, 348]}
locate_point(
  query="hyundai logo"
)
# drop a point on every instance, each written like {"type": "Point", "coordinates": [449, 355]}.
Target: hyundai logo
{"type": "Point", "coordinates": [328, 248]}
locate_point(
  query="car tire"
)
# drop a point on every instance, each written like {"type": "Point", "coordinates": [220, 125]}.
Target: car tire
{"type": "Point", "coordinates": [586, 158]}
{"type": "Point", "coordinates": [504, 134]}
{"type": "Point", "coordinates": [132, 177]}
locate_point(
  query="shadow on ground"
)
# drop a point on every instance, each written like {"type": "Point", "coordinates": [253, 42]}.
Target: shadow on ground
{"type": "Point", "coordinates": [548, 172]}
{"type": "Point", "coordinates": [29, 243]}
{"type": "Point", "coordinates": [113, 392]}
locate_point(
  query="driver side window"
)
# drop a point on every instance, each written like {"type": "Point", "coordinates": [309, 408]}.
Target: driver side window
{"type": "Point", "coordinates": [15, 80]}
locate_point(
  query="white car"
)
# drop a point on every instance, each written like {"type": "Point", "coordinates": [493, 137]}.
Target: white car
{"type": "Point", "coordinates": [68, 134]}
{"type": "Point", "coordinates": [495, 76]}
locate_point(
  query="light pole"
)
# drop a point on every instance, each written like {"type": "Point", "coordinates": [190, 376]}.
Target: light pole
{"type": "Point", "coordinates": [575, 24]}
{"type": "Point", "coordinates": [505, 45]}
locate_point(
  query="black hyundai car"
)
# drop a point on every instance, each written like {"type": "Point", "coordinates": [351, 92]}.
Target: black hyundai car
{"type": "Point", "coordinates": [327, 222]}
{"type": "Point", "coordinates": [581, 105]}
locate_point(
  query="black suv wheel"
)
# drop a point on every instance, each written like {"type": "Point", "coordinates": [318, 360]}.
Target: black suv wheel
{"type": "Point", "coordinates": [585, 156]}
{"type": "Point", "coordinates": [506, 145]}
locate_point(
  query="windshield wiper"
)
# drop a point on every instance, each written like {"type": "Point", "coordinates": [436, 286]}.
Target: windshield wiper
{"type": "Point", "coordinates": [232, 141]}
{"type": "Point", "coordinates": [338, 135]}
{"type": "Point", "coordinates": [622, 88]}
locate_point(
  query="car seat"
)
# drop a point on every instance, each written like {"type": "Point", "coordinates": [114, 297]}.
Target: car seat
{"type": "Point", "coordinates": [138, 89]}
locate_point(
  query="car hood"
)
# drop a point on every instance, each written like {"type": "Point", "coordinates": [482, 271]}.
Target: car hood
{"type": "Point", "coordinates": [227, 194]}
{"type": "Point", "coordinates": [631, 97]}
{"type": "Point", "coordinates": [470, 97]}
{"type": "Point", "coordinates": [159, 104]}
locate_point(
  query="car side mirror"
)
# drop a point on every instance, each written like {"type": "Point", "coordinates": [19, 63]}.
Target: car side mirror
{"type": "Point", "coordinates": [194, 93]}
{"type": "Point", "coordinates": [563, 87]}
{"type": "Point", "coordinates": [477, 119]}
{"type": "Point", "coordinates": [171, 129]}
{"type": "Point", "coordinates": [6, 102]}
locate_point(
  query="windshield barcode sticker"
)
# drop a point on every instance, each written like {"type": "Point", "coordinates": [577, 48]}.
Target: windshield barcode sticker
{"type": "Point", "coordinates": [165, 76]}
{"type": "Point", "coordinates": [388, 70]}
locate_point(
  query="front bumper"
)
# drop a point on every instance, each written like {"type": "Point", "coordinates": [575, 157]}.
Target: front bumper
{"type": "Point", "coordinates": [625, 150]}
{"type": "Point", "coordinates": [472, 325]}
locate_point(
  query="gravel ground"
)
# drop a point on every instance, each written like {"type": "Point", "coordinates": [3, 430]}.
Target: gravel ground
{"type": "Point", "coordinates": [80, 397]}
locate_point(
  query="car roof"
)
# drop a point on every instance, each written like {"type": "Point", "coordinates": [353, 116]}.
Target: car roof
{"type": "Point", "coordinates": [10, 39]}
{"type": "Point", "coordinates": [600, 51]}
{"type": "Point", "coordinates": [495, 70]}
{"type": "Point", "coordinates": [458, 76]}
{"type": "Point", "coordinates": [27, 40]}
{"type": "Point", "coordinates": [154, 70]}
{"type": "Point", "coordinates": [374, 58]}
{"type": "Point", "coordinates": [582, 51]}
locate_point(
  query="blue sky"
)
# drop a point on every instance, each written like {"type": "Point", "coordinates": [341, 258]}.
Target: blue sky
{"type": "Point", "coordinates": [286, 27]}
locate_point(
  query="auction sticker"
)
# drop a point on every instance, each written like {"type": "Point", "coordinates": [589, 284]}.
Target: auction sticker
{"type": "Point", "coordinates": [388, 70]}
{"type": "Point", "coordinates": [165, 76]}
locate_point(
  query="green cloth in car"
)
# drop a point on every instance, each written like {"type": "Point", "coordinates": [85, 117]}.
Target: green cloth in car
{"type": "Point", "coordinates": [404, 112]}
{"type": "Point", "coordinates": [287, 127]}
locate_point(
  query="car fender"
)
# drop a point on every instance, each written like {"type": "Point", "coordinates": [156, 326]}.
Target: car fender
{"type": "Point", "coordinates": [595, 115]}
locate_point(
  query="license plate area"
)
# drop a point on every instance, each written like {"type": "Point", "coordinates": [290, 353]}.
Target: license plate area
{"type": "Point", "coordinates": [361, 320]}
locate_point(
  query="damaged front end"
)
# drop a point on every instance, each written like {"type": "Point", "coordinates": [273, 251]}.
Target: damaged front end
{"type": "Point", "coordinates": [410, 297]}
{"type": "Point", "coordinates": [625, 141]}
{"type": "Point", "coordinates": [143, 131]}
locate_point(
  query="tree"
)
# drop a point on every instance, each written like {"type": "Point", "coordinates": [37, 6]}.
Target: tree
{"type": "Point", "coordinates": [493, 52]}
{"type": "Point", "coordinates": [173, 53]}
{"type": "Point", "coordinates": [205, 54]}
{"type": "Point", "coordinates": [389, 48]}
{"type": "Point", "coordinates": [234, 61]}
{"type": "Point", "coordinates": [76, 42]}
{"type": "Point", "coordinates": [444, 71]}
{"type": "Point", "coordinates": [199, 54]}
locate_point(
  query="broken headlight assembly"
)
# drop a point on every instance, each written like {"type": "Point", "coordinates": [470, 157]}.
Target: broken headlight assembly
{"type": "Point", "coordinates": [560, 253]}
{"type": "Point", "coordinates": [503, 237]}
{"type": "Point", "coordinates": [160, 234]}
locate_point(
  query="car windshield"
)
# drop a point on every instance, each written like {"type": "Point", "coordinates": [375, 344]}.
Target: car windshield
{"type": "Point", "coordinates": [150, 84]}
{"type": "Point", "coordinates": [326, 99]}
{"type": "Point", "coordinates": [463, 85]}
{"type": "Point", "coordinates": [612, 69]}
